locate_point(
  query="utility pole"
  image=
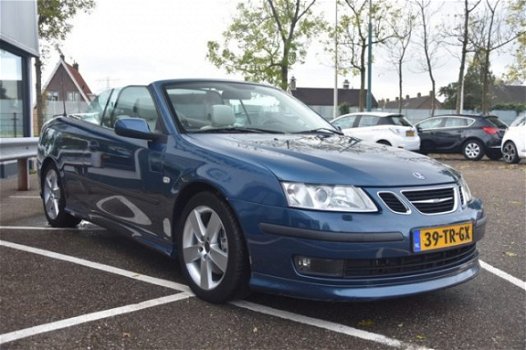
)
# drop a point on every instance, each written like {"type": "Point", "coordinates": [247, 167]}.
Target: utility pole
{"type": "Point", "coordinates": [335, 93]}
{"type": "Point", "coordinates": [369, 60]}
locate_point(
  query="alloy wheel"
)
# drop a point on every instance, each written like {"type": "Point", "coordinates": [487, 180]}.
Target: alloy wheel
{"type": "Point", "coordinates": [472, 150]}
{"type": "Point", "coordinates": [51, 193]}
{"type": "Point", "coordinates": [509, 153]}
{"type": "Point", "coordinates": [205, 247]}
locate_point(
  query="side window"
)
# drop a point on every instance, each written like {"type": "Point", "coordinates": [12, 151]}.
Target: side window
{"type": "Point", "coordinates": [345, 123]}
{"type": "Point", "coordinates": [368, 120]}
{"type": "Point", "coordinates": [456, 122]}
{"type": "Point", "coordinates": [431, 124]}
{"type": "Point", "coordinates": [135, 102]}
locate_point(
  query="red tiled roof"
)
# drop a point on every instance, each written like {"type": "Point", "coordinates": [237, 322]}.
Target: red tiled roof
{"type": "Point", "coordinates": [79, 79]}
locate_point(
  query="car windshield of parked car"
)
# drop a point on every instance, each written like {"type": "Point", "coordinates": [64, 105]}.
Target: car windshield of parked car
{"type": "Point", "coordinates": [497, 122]}
{"type": "Point", "coordinates": [519, 121]}
{"type": "Point", "coordinates": [241, 107]}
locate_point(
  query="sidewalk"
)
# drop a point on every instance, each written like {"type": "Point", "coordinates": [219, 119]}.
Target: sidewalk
{"type": "Point", "coordinates": [19, 205]}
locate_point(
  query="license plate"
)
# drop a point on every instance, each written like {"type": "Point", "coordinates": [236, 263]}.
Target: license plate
{"type": "Point", "coordinates": [410, 133]}
{"type": "Point", "coordinates": [434, 238]}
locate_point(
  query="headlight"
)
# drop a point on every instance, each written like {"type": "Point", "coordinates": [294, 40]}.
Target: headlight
{"type": "Point", "coordinates": [327, 197]}
{"type": "Point", "coordinates": [466, 193]}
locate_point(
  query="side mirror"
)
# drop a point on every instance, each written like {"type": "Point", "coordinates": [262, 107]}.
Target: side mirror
{"type": "Point", "coordinates": [135, 128]}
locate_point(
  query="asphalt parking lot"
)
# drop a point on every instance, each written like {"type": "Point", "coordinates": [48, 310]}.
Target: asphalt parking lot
{"type": "Point", "coordinates": [89, 288]}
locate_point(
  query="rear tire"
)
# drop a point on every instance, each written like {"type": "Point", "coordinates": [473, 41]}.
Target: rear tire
{"type": "Point", "coordinates": [509, 153]}
{"type": "Point", "coordinates": [473, 150]}
{"type": "Point", "coordinates": [212, 250]}
{"type": "Point", "coordinates": [54, 201]}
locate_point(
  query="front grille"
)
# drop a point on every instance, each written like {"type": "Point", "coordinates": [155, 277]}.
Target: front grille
{"type": "Point", "coordinates": [408, 265]}
{"type": "Point", "coordinates": [392, 201]}
{"type": "Point", "coordinates": [432, 201]}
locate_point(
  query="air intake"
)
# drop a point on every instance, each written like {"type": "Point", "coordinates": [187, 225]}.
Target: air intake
{"type": "Point", "coordinates": [432, 201]}
{"type": "Point", "coordinates": [393, 202]}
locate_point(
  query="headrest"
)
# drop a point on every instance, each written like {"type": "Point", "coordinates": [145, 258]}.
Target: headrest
{"type": "Point", "coordinates": [222, 115]}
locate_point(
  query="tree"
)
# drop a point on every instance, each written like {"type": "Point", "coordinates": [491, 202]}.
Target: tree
{"type": "Point", "coordinates": [352, 36]}
{"type": "Point", "coordinates": [491, 32]}
{"type": "Point", "coordinates": [397, 46]}
{"type": "Point", "coordinates": [477, 72]}
{"type": "Point", "coordinates": [517, 17]}
{"type": "Point", "coordinates": [429, 44]}
{"type": "Point", "coordinates": [266, 39]}
{"type": "Point", "coordinates": [53, 27]}
{"type": "Point", "coordinates": [473, 82]}
{"type": "Point", "coordinates": [461, 34]}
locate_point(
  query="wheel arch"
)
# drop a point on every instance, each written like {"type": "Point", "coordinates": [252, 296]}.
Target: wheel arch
{"type": "Point", "coordinates": [45, 164]}
{"type": "Point", "coordinates": [473, 138]}
{"type": "Point", "coordinates": [184, 196]}
{"type": "Point", "coordinates": [384, 142]}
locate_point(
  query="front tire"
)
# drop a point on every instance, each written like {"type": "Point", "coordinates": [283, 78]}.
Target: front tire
{"type": "Point", "coordinates": [509, 153]}
{"type": "Point", "coordinates": [54, 201]}
{"type": "Point", "coordinates": [473, 150]}
{"type": "Point", "coordinates": [212, 251]}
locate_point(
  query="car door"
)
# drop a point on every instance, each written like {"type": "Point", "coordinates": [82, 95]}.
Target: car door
{"type": "Point", "coordinates": [452, 136]}
{"type": "Point", "coordinates": [367, 125]}
{"type": "Point", "coordinates": [429, 132]}
{"type": "Point", "coordinates": [126, 178]}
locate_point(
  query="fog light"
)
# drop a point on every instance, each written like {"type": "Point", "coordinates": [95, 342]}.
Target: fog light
{"type": "Point", "coordinates": [318, 267]}
{"type": "Point", "coordinates": [303, 263]}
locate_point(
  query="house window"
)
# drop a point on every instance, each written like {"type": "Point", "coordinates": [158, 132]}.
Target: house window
{"type": "Point", "coordinates": [73, 96]}
{"type": "Point", "coordinates": [52, 96]}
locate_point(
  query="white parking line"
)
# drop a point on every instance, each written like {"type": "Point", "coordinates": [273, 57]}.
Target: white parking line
{"type": "Point", "coordinates": [335, 327]}
{"type": "Point", "coordinates": [53, 326]}
{"type": "Point", "coordinates": [25, 197]}
{"type": "Point", "coordinates": [98, 266]}
{"type": "Point", "coordinates": [331, 326]}
{"type": "Point", "coordinates": [45, 228]}
{"type": "Point", "coordinates": [504, 275]}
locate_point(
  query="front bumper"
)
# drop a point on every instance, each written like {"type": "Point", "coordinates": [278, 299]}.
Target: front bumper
{"type": "Point", "coordinates": [275, 236]}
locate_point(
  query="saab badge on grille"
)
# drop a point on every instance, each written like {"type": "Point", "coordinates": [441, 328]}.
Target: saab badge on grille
{"type": "Point", "coordinates": [418, 175]}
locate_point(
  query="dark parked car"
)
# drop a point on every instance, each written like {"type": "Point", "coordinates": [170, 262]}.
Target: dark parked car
{"type": "Point", "coordinates": [250, 189]}
{"type": "Point", "coordinates": [472, 135]}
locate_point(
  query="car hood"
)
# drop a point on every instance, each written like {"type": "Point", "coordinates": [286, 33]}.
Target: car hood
{"type": "Point", "coordinates": [329, 159]}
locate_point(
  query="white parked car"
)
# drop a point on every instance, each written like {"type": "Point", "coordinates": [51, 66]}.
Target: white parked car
{"type": "Point", "coordinates": [514, 141]}
{"type": "Point", "coordinates": [386, 128]}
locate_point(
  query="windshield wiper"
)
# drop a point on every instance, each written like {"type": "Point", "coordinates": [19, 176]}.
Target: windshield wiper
{"type": "Point", "coordinates": [318, 130]}
{"type": "Point", "coordinates": [237, 129]}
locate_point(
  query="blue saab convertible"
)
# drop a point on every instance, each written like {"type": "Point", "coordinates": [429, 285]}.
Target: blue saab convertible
{"type": "Point", "coordinates": [250, 189]}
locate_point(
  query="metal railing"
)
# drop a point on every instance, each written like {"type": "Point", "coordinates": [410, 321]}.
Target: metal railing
{"type": "Point", "coordinates": [20, 149]}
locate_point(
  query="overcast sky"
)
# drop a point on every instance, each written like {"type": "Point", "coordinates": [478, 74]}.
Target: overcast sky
{"type": "Point", "coordinates": [138, 41]}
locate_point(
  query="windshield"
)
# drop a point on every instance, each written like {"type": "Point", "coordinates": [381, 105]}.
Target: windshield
{"type": "Point", "coordinates": [241, 107]}
{"type": "Point", "coordinates": [496, 121]}
{"type": "Point", "coordinates": [518, 121]}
